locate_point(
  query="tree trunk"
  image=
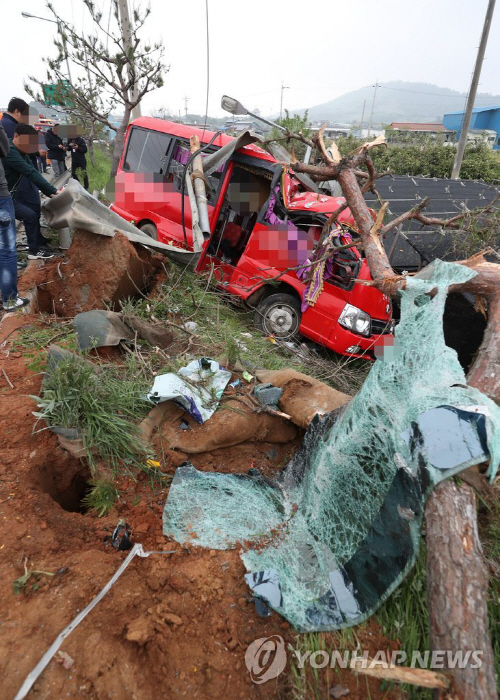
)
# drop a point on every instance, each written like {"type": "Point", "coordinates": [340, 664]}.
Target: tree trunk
{"type": "Point", "coordinates": [457, 576]}
{"type": "Point", "coordinates": [91, 142]}
{"type": "Point", "coordinates": [457, 585]}
{"type": "Point", "coordinates": [119, 142]}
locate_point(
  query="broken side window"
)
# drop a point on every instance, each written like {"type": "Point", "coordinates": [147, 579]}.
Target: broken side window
{"type": "Point", "coordinates": [146, 151]}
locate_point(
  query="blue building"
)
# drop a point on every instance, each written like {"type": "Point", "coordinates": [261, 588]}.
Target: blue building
{"type": "Point", "coordinates": [483, 119]}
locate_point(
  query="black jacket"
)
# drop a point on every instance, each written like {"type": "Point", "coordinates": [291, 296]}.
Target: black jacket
{"type": "Point", "coordinates": [78, 159]}
{"type": "Point", "coordinates": [53, 142]}
{"type": "Point", "coordinates": [9, 124]}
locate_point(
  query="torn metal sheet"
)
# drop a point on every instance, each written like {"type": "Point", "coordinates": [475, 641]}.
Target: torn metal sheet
{"type": "Point", "coordinates": [99, 328]}
{"type": "Point", "coordinates": [335, 534]}
{"type": "Point", "coordinates": [75, 208]}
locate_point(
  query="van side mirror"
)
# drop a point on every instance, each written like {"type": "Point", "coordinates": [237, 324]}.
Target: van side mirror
{"type": "Point", "coordinates": [229, 104]}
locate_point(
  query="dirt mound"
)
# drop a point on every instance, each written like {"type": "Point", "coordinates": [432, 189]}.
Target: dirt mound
{"type": "Point", "coordinates": [99, 272]}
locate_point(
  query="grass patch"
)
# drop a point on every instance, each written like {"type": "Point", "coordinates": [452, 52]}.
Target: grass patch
{"type": "Point", "coordinates": [32, 342]}
{"type": "Point", "coordinates": [101, 497]}
{"type": "Point", "coordinates": [102, 407]}
{"type": "Point", "coordinates": [405, 616]}
{"type": "Point", "coordinates": [222, 328]}
{"type": "Point", "coordinates": [99, 171]}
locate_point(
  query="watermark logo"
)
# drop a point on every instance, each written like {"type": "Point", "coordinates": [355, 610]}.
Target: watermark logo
{"type": "Point", "coordinates": [265, 658]}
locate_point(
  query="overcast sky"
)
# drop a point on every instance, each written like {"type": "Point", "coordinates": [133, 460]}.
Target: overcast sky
{"type": "Point", "coordinates": [320, 50]}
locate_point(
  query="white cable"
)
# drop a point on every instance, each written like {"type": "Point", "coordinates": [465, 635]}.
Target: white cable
{"type": "Point", "coordinates": [136, 550]}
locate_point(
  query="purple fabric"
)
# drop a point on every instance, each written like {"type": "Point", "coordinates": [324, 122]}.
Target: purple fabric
{"type": "Point", "coordinates": [322, 271]}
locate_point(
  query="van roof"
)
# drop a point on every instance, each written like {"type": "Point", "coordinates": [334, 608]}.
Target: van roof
{"type": "Point", "coordinates": [186, 130]}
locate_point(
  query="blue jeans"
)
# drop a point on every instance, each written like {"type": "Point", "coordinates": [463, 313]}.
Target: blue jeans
{"type": "Point", "coordinates": [8, 253]}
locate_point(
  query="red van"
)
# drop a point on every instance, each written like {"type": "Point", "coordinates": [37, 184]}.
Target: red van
{"type": "Point", "coordinates": [264, 220]}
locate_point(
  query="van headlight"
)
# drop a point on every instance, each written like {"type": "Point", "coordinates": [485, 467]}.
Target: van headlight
{"type": "Point", "coordinates": [355, 320]}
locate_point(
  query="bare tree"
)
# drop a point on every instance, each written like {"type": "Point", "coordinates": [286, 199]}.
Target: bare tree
{"type": "Point", "coordinates": [114, 73]}
{"type": "Point", "coordinates": [457, 579]}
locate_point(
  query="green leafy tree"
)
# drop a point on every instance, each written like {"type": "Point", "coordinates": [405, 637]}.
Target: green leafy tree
{"type": "Point", "coordinates": [111, 73]}
{"type": "Point", "coordinates": [295, 124]}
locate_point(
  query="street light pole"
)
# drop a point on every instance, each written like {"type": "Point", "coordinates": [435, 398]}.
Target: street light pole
{"type": "Point", "coordinates": [373, 105]}
{"type": "Point", "coordinates": [455, 173]}
{"type": "Point", "coordinates": [127, 44]}
{"type": "Point", "coordinates": [283, 87]}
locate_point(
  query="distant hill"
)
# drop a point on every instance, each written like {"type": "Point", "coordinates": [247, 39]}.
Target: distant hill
{"type": "Point", "coordinates": [396, 101]}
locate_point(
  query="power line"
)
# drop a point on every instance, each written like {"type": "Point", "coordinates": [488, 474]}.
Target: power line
{"type": "Point", "coordinates": [208, 68]}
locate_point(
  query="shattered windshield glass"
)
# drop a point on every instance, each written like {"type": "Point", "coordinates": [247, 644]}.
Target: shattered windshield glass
{"type": "Point", "coordinates": [330, 538]}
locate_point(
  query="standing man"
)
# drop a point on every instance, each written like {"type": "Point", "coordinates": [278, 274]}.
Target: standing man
{"type": "Point", "coordinates": [78, 149]}
{"type": "Point", "coordinates": [18, 112]}
{"type": "Point", "coordinates": [8, 254]}
{"type": "Point", "coordinates": [19, 169]}
{"type": "Point", "coordinates": [56, 151]}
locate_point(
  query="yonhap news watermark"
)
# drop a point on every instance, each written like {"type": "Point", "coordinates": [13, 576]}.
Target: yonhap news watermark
{"type": "Point", "coordinates": [266, 658]}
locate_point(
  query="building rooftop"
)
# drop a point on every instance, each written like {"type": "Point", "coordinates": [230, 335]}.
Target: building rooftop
{"type": "Point", "coordinates": [416, 126]}
{"type": "Point", "coordinates": [477, 109]}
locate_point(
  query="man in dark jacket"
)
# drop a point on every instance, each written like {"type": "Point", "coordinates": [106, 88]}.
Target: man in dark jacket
{"type": "Point", "coordinates": [18, 112]}
{"type": "Point", "coordinates": [18, 168]}
{"type": "Point", "coordinates": [56, 150]}
{"type": "Point", "coordinates": [8, 254]}
{"type": "Point", "coordinates": [78, 149]}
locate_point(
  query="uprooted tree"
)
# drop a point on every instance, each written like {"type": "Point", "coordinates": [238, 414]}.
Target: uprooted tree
{"type": "Point", "coordinates": [457, 573]}
{"type": "Point", "coordinates": [115, 71]}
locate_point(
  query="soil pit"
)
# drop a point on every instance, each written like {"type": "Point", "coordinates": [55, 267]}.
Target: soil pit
{"type": "Point", "coordinates": [174, 625]}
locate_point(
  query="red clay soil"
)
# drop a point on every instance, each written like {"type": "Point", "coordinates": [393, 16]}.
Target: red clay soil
{"type": "Point", "coordinates": [174, 625]}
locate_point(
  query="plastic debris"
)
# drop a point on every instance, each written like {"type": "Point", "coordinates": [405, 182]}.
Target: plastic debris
{"type": "Point", "coordinates": [267, 394]}
{"type": "Point", "coordinates": [120, 539]}
{"type": "Point", "coordinates": [236, 383]}
{"type": "Point", "coordinates": [336, 532]}
{"type": "Point", "coordinates": [197, 388]}
{"type": "Point", "coordinates": [97, 328]}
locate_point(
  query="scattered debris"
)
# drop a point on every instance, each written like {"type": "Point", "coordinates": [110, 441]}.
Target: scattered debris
{"type": "Point", "coordinates": [322, 554]}
{"type": "Point", "coordinates": [95, 329]}
{"type": "Point", "coordinates": [197, 387]}
{"type": "Point", "coordinates": [64, 659]}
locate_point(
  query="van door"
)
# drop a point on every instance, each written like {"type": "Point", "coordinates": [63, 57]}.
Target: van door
{"type": "Point", "coordinates": [245, 192]}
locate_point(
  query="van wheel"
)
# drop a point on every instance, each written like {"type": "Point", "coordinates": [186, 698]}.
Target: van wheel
{"type": "Point", "coordinates": [149, 230]}
{"type": "Point", "coordinates": [278, 315]}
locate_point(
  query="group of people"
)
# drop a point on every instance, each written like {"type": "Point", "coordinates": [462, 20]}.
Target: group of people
{"type": "Point", "coordinates": [20, 187]}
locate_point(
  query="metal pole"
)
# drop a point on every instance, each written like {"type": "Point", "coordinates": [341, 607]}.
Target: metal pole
{"type": "Point", "coordinates": [373, 105]}
{"type": "Point", "coordinates": [127, 44]}
{"type": "Point", "coordinates": [362, 119]}
{"type": "Point", "coordinates": [283, 87]}
{"type": "Point", "coordinates": [455, 172]}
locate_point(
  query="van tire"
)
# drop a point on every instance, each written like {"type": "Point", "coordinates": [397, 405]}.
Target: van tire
{"type": "Point", "coordinates": [278, 315]}
{"type": "Point", "coordinates": [149, 230]}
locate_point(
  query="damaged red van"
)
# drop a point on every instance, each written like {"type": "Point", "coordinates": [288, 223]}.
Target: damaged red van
{"type": "Point", "coordinates": [264, 226]}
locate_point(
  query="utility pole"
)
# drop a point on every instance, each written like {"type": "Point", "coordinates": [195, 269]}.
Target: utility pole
{"type": "Point", "coordinates": [455, 172]}
{"type": "Point", "coordinates": [125, 25]}
{"type": "Point", "coordinates": [362, 119]}
{"type": "Point", "coordinates": [283, 87]}
{"type": "Point", "coordinates": [186, 100]}
{"type": "Point", "coordinates": [373, 105]}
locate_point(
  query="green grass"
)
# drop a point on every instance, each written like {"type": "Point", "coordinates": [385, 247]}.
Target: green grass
{"type": "Point", "coordinates": [98, 173]}
{"type": "Point", "coordinates": [405, 616]}
{"type": "Point", "coordinates": [104, 407]}
{"type": "Point", "coordinates": [32, 342]}
{"type": "Point", "coordinates": [220, 324]}
{"type": "Point", "coordinates": [101, 497]}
